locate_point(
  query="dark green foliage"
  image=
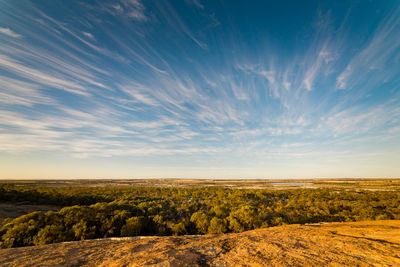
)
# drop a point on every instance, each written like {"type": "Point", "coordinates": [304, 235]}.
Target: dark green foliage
{"type": "Point", "coordinates": [51, 234]}
{"type": "Point", "coordinates": [217, 226]}
{"type": "Point", "coordinates": [134, 226]}
{"type": "Point", "coordinates": [201, 221]}
{"type": "Point", "coordinates": [130, 211]}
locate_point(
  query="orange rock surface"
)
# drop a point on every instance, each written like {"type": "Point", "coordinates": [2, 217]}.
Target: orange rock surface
{"type": "Point", "coordinates": [366, 243]}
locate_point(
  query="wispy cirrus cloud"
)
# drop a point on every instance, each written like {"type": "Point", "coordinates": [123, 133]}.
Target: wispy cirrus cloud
{"type": "Point", "coordinates": [174, 20]}
{"type": "Point", "coordinates": [196, 3]}
{"type": "Point", "coordinates": [89, 35]}
{"type": "Point", "coordinates": [133, 9]}
{"type": "Point", "coordinates": [375, 57]}
{"type": "Point", "coordinates": [149, 80]}
{"type": "Point", "coordinates": [10, 33]}
{"type": "Point", "coordinates": [41, 77]}
{"type": "Point", "coordinates": [16, 92]}
{"type": "Point", "coordinates": [139, 93]}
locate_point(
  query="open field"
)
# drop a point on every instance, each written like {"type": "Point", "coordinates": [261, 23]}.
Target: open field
{"type": "Point", "coordinates": [366, 243]}
{"type": "Point", "coordinates": [367, 184]}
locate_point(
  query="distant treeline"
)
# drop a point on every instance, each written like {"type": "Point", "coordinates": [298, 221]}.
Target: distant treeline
{"type": "Point", "coordinates": [97, 212]}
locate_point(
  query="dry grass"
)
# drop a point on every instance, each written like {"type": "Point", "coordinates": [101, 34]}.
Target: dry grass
{"type": "Point", "coordinates": [273, 184]}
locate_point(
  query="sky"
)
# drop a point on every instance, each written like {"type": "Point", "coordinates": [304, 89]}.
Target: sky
{"type": "Point", "coordinates": [199, 89]}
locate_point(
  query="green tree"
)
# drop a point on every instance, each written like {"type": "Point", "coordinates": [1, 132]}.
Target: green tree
{"type": "Point", "coordinates": [217, 226]}
{"type": "Point", "coordinates": [51, 234]}
{"type": "Point", "coordinates": [201, 221]}
{"type": "Point", "coordinates": [82, 231]}
{"type": "Point", "coordinates": [179, 228]}
{"type": "Point", "coordinates": [134, 226]}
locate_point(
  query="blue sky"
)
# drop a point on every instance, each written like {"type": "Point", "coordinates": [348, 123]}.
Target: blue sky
{"type": "Point", "coordinates": [199, 89]}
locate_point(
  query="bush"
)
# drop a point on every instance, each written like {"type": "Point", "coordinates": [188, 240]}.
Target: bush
{"type": "Point", "coordinates": [134, 226]}
{"type": "Point", "coordinates": [51, 234]}
{"type": "Point", "coordinates": [217, 226]}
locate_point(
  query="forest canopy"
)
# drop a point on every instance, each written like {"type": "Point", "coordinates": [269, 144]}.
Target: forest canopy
{"type": "Point", "coordinates": [115, 211]}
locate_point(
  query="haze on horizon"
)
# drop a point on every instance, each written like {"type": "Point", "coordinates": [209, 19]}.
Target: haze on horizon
{"type": "Point", "coordinates": [199, 89]}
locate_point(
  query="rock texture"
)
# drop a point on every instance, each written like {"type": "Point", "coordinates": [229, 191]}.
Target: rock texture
{"type": "Point", "coordinates": [367, 243]}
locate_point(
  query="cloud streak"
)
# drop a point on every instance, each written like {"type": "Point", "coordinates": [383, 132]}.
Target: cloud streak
{"type": "Point", "coordinates": [376, 55]}
{"type": "Point", "coordinates": [10, 33]}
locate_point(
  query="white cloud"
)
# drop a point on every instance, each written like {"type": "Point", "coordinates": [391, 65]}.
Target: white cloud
{"type": "Point", "coordinates": [89, 35]}
{"type": "Point", "coordinates": [239, 91]}
{"type": "Point", "coordinates": [356, 120]}
{"type": "Point", "coordinates": [196, 3]}
{"type": "Point", "coordinates": [315, 68]}
{"type": "Point", "coordinates": [376, 54]}
{"type": "Point", "coordinates": [41, 77]}
{"type": "Point", "coordinates": [16, 92]}
{"type": "Point", "coordinates": [10, 33]}
{"type": "Point", "coordinates": [139, 93]}
{"type": "Point", "coordinates": [175, 21]}
{"type": "Point", "coordinates": [133, 9]}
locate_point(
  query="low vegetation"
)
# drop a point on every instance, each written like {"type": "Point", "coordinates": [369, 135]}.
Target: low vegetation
{"type": "Point", "coordinates": [113, 211]}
